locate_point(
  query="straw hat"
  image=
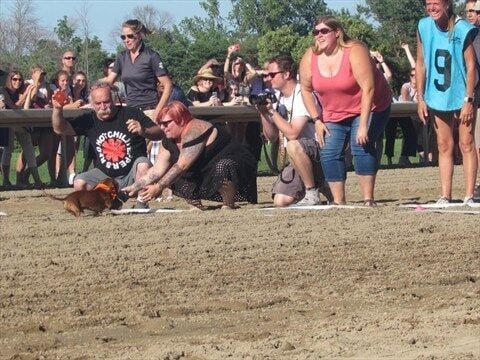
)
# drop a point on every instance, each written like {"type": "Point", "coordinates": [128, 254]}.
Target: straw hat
{"type": "Point", "coordinates": [206, 74]}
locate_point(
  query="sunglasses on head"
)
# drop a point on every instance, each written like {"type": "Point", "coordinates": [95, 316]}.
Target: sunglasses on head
{"type": "Point", "coordinates": [70, 58]}
{"type": "Point", "coordinates": [323, 31]}
{"type": "Point", "coordinates": [129, 36]}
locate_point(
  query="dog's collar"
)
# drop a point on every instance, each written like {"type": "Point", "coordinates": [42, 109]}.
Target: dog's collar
{"type": "Point", "coordinates": [102, 186]}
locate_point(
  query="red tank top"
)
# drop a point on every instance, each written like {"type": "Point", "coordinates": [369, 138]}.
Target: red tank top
{"type": "Point", "coordinates": [341, 96]}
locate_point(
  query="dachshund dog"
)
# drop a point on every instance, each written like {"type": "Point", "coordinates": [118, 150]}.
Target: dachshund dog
{"type": "Point", "coordinates": [102, 196]}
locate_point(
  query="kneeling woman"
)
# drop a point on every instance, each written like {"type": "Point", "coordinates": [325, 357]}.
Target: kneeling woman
{"type": "Point", "coordinates": [199, 162]}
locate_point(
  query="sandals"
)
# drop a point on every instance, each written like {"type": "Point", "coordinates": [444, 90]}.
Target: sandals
{"type": "Point", "coordinates": [370, 203]}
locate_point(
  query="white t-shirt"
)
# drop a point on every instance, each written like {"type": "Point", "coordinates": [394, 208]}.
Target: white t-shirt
{"type": "Point", "coordinates": [293, 109]}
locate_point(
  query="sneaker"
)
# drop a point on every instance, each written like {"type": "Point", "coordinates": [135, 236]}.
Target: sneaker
{"type": "Point", "coordinates": [468, 200]}
{"type": "Point", "coordinates": [476, 192]}
{"type": "Point", "coordinates": [443, 201]}
{"type": "Point", "coordinates": [404, 161]}
{"type": "Point", "coordinates": [311, 197]}
{"type": "Point", "coordinates": [141, 205]}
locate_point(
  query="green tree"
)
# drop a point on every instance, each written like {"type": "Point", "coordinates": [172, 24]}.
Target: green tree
{"type": "Point", "coordinates": [281, 41]}
{"type": "Point", "coordinates": [262, 16]}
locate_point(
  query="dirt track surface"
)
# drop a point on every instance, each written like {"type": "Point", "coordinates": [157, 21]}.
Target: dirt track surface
{"type": "Point", "coordinates": [375, 283]}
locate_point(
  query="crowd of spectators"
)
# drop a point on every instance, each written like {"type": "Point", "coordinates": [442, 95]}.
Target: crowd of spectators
{"type": "Point", "coordinates": [318, 122]}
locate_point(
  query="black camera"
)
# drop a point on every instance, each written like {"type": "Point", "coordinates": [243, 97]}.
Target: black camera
{"type": "Point", "coordinates": [261, 99]}
{"type": "Point", "coordinates": [243, 90]}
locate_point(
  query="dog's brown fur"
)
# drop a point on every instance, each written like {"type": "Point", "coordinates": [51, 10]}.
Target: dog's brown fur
{"type": "Point", "coordinates": [102, 196]}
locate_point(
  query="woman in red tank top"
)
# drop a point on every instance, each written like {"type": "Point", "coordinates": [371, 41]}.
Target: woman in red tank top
{"type": "Point", "coordinates": [355, 99]}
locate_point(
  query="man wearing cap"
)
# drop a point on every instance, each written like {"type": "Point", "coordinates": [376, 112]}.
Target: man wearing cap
{"type": "Point", "coordinates": [205, 92]}
{"type": "Point", "coordinates": [472, 14]}
{"type": "Point", "coordinates": [301, 181]}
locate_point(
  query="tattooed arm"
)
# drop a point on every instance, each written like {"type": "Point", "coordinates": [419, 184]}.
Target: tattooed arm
{"type": "Point", "coordinates": [161, 166]}
{"type": "Point", "coordinates": [166, 176]}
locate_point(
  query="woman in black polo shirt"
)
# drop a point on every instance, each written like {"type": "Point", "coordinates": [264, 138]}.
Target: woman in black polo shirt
{"type": "Point", "coordinates": [140, 69]}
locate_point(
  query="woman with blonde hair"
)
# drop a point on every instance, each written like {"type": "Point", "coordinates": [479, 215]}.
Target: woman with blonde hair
{"type": "Point", "coordinates": [355, 99]}
{"type": "Point", "coordinates": [446, 76]}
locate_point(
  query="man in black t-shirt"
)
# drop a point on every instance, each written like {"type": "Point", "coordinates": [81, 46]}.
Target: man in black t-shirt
{"type": "Point", "coordinates": [116, 133]}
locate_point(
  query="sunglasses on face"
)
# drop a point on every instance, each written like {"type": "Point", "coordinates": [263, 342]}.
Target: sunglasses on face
{"type": "Point", "coordinates": [128, 36]}
{"type": "Point", "coordinates": [412, 75]}
{"type": "Point", "coordinates": [70, 58]}
{"type": "Point", "coordinates": [16, 79]}
{"type": "Point", "coordinates": [164, 123]}
{"type": "Point", "coordinates": [323, 31]}
{"type": "Point", "coordinates": [272, 74]}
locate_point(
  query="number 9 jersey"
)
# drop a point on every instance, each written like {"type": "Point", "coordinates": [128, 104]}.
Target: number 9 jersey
{"type": "Point", "coordinates": [446, 77]}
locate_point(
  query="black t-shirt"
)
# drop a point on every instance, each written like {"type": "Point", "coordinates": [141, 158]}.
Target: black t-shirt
{"type": "Point", "coordinates": [140, 77]}
{"type": "Point", "coordinates": [115, 147]}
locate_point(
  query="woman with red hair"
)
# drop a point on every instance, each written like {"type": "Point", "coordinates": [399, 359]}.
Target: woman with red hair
{"type": "Point", "coordinates": [199, 162]}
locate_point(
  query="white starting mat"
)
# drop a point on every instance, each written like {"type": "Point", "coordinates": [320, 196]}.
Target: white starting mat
{"type": "Point", "coordinates": [439, 206]}
{"type": "Point", "coordinates": [315, 207]}
{"type": "Point", "coordinates": [143, 211]}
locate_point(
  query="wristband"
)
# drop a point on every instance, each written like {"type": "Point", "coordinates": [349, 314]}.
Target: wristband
{"type": "Point", "coordinates": [316, 118]}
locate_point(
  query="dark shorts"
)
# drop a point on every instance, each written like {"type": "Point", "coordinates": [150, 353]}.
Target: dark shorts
{"type": "Point", "coordinates": [289, 183]}
{"type": "Point", "coordinates": [94, 176]}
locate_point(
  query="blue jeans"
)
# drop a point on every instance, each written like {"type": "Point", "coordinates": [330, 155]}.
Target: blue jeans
{"type": "Point", "coordinates": [364, 156]}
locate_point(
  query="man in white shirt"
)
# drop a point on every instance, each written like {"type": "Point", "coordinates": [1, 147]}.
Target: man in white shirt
{"type": "Point", "coordinates": [302, 180]}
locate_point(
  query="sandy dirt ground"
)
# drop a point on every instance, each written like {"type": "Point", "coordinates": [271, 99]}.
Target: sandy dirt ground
{"type": "Point", "coordinates": [377, 283]}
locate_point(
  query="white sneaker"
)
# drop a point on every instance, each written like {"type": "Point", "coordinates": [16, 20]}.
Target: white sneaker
{"type": "Point", "coordinates": [443, 201]}
{"type": "Point", "coordinates": [311, 197]}
{"type": "Point", "coordinates": [468, 200]}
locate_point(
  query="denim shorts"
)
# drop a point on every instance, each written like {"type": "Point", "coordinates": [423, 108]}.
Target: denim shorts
{"type": "Point", "coordinates": [364, 156]}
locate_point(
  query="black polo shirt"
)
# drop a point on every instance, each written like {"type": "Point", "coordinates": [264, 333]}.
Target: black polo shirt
{"type": "Point", "coordinates": [140, 77]}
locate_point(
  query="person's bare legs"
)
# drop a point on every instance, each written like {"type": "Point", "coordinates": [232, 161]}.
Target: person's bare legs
{"type": "Point", "coordinates": [338, 191]}
{"type": "Point", "coordinates": [281, 200]}
{"type": "Point", "coordinates": [367, 186]}
{"type": "Point", "coordinates": [301, 162]}
{"type": "Point", "coordinates": [469, 154]}
{"type": "Point", "coordinates": [443, 129]}
{"type": "Point", "coordinates": [228, 191]}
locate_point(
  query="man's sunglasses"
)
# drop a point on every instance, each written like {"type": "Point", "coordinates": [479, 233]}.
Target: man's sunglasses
{"type": "Point", "coordinates": [70, 58]}
{"type": "Point", "coordinates": [272, 74]}
{"type": "Point", "coordinates": [323, 31]}
{"type": "Point", "coordinates": [129, 36]}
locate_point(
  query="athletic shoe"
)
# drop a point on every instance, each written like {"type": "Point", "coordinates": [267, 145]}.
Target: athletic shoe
{"type": "Point", "coordinates": [468, 200]}
{"type": "Point", "coordinates": [476, 192]}
{"type": "Point", "coordinates": [141, 205]}
{"type": "Point", "coordinates": [311, 197]}
{"type": "Point", "coordinates": [404, 161]}
{"type": "Point", "coordinates": [443, 201]}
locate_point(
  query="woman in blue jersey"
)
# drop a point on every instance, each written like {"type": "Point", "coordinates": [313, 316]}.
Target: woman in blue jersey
{"type": "Point", "coordinates": [446, 76]}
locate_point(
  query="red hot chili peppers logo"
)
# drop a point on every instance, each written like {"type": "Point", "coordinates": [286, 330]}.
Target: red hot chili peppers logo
{"type": "Point", "coordinates": [114, 149]}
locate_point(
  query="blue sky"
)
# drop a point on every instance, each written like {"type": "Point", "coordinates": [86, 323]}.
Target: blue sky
{"type": "Point", "coordinates": [107, 15]}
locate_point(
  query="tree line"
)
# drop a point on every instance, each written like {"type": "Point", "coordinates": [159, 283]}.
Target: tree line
{"type": "Point", "coordinates": [264, 28]}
